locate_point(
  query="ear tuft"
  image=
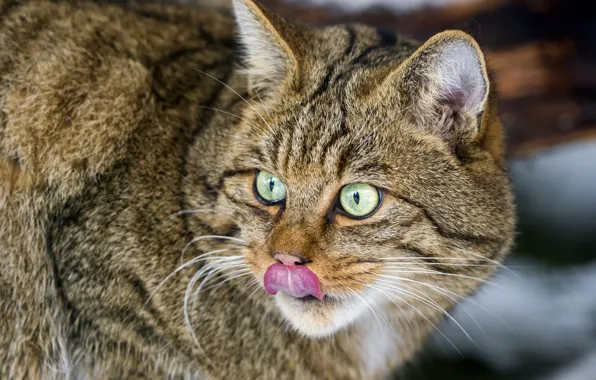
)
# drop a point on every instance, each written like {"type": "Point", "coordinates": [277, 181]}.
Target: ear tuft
{"type": "Point", "coordinates": [268, 57]}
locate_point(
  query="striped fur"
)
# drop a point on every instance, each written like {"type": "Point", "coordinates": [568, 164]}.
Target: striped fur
{"type": "Point", "coordinates": [130, 131]}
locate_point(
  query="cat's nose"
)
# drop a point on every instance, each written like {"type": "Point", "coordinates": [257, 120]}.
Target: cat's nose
{"type": "Point", "coordinates": [290, 259]}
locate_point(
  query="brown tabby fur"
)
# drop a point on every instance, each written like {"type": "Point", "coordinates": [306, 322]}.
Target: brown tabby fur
{"type": "Point", "coordinates": [108, 131]}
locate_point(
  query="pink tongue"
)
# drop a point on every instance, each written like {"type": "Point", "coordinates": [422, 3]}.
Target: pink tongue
{"type": "Point", "coordinates": [295, 280]}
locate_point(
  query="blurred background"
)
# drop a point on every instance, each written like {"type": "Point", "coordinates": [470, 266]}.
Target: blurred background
{"type": "Point", "coordinates": [538, 320]}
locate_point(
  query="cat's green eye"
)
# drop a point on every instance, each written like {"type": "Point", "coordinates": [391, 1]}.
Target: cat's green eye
{"type": "Point", "coordinates": [268, 188]}
{"type": "Point", "coordinates": [359, 200]}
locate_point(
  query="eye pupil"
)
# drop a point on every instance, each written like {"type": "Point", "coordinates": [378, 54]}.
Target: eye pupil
{"type": "Point", "coordinates": [359, 200]}
{"type": "Point", "coordinates": [268, 188]}
{"type": "Point", "coordinates": [356, 197]}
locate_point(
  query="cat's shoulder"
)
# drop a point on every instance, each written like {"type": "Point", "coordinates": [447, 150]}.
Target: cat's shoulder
{"type": "Point", "coordinates": [79, 79]}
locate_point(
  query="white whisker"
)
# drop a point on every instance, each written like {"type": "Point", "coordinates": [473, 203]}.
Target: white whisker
{"type": "Point", "coordinates": [231, 276]}
{"type": "Point", "coordinates": [484, 258]}
{"type": "Point", "coordinates": [370, 308]}
{"type": "Point", "coordinates": [224, 112]}
{"type": "Point", "coordinates": [191, 331]}
{"type": "Point", "coordinates": [257, 287]}
{"type": "Point", "coordinates": [261, 101]}
{"type": "Point", "coordinates": [214, 270]}
{"type": "Point", "coordinates": [430, 302]}
{"type": "Point", "coordinates": [210, 268]}
{"type": "Point", "coordinates": [442, 292]}
{"type": "Point", "coordinates": [197, 239]}
{"type": "Point", "coordinates": [421, 314]}
{"type": "Point", "coordinates": [440, 289]}
{"type": "Point", "coordinates": [192, 211]}
{"type": "Point", "coordinates": [197, 259]}
{"type": "Point", "coordinates": [240, 96]}
{"type": "Point", "coordinates": [440, 264]}
{"type": "Point", "coordinates": [247, 287]}
{"type": "Point", "coordinates": [218, 266]}
{"type": "Point", "coordinates": [434, 272]}
{"type": "Point", "coordinates": [396, 304]}
{"type": "Point", "coordinates": [389, 259]}
{"type": "Point", "coordinates": [382, 314]}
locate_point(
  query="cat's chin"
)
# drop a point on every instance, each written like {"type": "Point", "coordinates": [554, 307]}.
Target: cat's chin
{"type": "Point", "coordinates": [319, 319]}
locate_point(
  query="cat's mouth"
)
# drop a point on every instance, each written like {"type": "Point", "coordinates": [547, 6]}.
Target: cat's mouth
{"type": "Point", "coordinates": [303, 303]}
{"type": "Point", "coordinates": [314, 301]}
{"type": "Point", "coordinates": [297, 281]}
{"type": "Point", "coordinates": [316, 317]}
{"type": "Point", "coordinates": [309, 303]}
{"type": "Point", "coordinates": [311, 299]}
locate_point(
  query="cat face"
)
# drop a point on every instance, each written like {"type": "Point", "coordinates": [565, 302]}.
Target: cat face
{"type": "Point", "coordinates": [365, 175]}
{"type": "Point", "coordinates": [421, 205]}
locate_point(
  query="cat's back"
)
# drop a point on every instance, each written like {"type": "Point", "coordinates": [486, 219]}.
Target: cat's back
{"type": "Point", "coordinates": [97, 106]}
{"type": "Point", "coordinates": [79, 79]}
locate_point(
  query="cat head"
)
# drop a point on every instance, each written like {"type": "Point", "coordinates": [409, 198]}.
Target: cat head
{"type": "Point", "coordinates": [363, 172]}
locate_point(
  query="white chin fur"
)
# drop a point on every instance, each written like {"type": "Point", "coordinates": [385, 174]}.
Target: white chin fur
{"type": "Point", "coordinates": [316, 320]}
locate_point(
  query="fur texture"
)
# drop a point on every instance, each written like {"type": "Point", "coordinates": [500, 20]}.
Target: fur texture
{"type": "Point", "coordinates": [130, 138]}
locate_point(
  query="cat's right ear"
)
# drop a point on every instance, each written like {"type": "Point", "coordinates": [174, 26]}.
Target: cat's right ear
{"type": "Point", "coordinates": [268, 56]}
{"type": "Point", "coordinates": [445, 85]}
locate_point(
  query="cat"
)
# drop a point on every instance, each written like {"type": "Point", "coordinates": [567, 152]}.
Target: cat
{"type": "Point", "coordinates": [215, 192]}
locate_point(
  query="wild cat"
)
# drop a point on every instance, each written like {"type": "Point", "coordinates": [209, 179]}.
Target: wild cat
{"type": "Point", "coordinates": [206, 193]}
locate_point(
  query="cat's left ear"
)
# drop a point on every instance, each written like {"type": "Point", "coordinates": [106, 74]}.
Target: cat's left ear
{"type": "Point", "coordinates": [446, 85]}
{"type": "Point", "coordinates": [268, 55]}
